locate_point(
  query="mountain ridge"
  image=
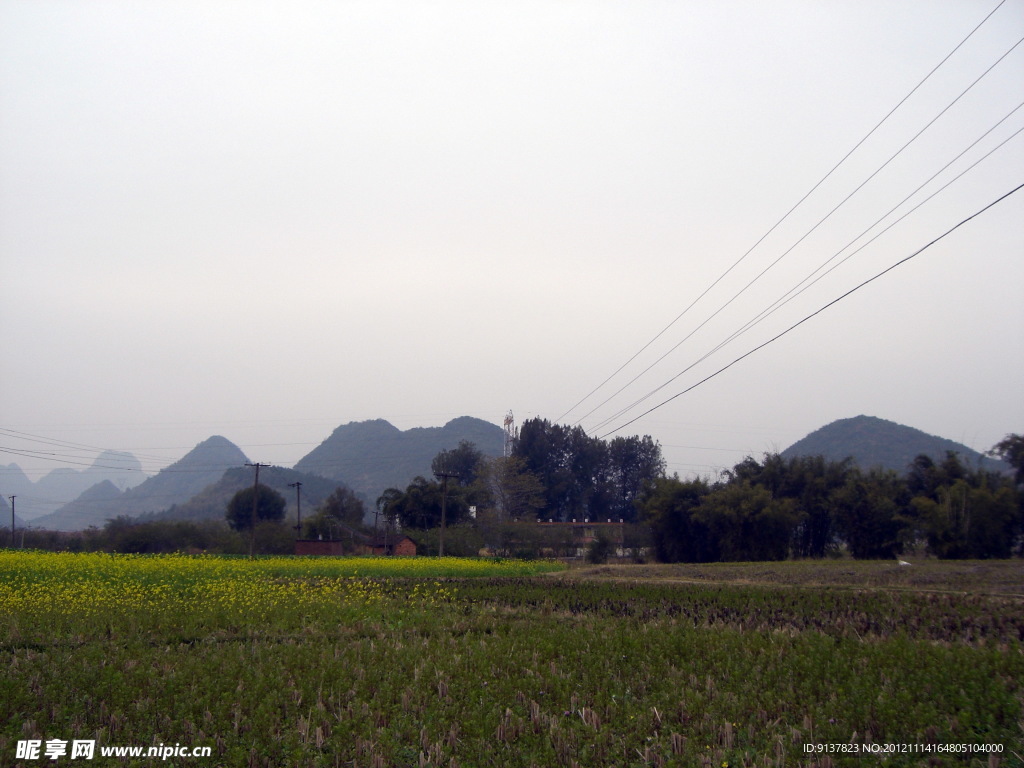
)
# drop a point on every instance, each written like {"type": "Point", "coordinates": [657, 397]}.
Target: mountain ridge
{"type": "Point", "coordinates": [211, 502]}
{"type": "Point", "coordinates": [121, 468]}
{"type": "Point", "coordinates": [371, 456]}
{"type": "Point", "coordinates": [174, 484]}
{"type": "Point", "coordinates": [873, 442]}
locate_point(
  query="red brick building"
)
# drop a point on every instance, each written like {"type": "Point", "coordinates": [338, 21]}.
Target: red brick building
{"type": "Point", "coordinates": [331, 547]}
{"type": "Point", "coordinates": [401, 546]}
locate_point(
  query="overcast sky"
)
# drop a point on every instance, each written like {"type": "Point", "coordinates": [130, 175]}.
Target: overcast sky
{"type": "Point", "coordinates": [267, 219]}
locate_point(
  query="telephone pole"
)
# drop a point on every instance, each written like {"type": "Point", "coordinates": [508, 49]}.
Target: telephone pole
{"type": "Point", "coordinates": [12, 498]}
{"type": "Point", "coordinates": [255, 504]}
{"type": "Point", "coordinates": [297, 485]}
{"type": "Point", "coordinates": [443, 477]}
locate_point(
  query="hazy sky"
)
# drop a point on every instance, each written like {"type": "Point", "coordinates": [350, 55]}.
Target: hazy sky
{"type": "Point", "coordinates": [266, 219]}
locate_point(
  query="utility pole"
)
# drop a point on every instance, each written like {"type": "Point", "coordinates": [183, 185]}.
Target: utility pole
{"type": "Point", "coordinates": [12, 498]}
{"type": "Point", "coordinates": [376, 519]}
{"type": "Point", "coordinates": [443, 477]}
{"type": "Point", "coordinates": [255, 504]}
{"type": "Point", "coordinates": [297, 485]}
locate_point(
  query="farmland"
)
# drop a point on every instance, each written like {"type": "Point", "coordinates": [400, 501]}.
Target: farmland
{"type": "Point", "coordinates": [447, 662]}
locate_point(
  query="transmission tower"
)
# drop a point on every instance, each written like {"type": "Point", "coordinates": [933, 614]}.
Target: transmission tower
{"type": "Point", "coordinates": [511, 434]}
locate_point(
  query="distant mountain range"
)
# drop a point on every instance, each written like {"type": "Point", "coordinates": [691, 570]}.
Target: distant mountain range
{"type": "Point", "coordinates": [121, 469]}
{"type": "Point", "coordinates": [371, 456]}
{"type": "Point", "coordinates": [873, 442]}
{"type": "Point", "coordinates": [211, 502]}
{"type": "Point", "coordinates": [368, 457]}
{"type": "Point", "coordinates": [202, 466]}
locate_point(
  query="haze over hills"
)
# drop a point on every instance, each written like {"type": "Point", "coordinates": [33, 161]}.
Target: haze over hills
{"type": "Point", "coordinates": [371, 456]}
{"type": "Point", "coordinates": [873, 442]}
{"type": "Point", "coordinates": [14, 480]}
{"type": "Point", "coordinates": [203, 465]}
{"type": "Point", "coordinates": [367, 457]}
{"type": "Point", "coordinates": [211, 502]}
{"type": "Point", "coordinates": [5, 515]}
{"type": "Point", "coordinates": [36, 499]}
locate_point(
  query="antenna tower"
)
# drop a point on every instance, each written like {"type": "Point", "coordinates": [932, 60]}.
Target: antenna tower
{"type": "Point", "coordinates": [511, 434]}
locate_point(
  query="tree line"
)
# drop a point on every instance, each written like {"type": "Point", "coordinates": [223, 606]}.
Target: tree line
{"type": "Point", "coordinates": [812, 507]}
{"type": "Point", "coordinates": [340, 516]}
{"type": "Point", "coordinates": [555, 472]}
{"type": "Point", "coordinates": [768, 509]}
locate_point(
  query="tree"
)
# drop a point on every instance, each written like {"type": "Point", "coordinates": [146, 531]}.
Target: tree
{"type": "Point", "coordinates": [867, 512]}
{"type": "Point", "coordinates": [964, 512]}
{"type": "Point", "coordinates": [514, 492]}
{"type": "Point", "coordinates": [342, 510]}
{"type": "Point", "coordinates": [584, 477]}
{"type": "Point", "coordinates": [809, 481]}
{"type": "Point", "coordinates": [923, 477]}
{"type": "Point", "coordinates": [746, 523]}
{"type": "Point", "coordinates": [549, 451]}
{"type": "Point", "coordinates": [387, 507]}
{"type": "Point", "coordinates": [419, 506]}
{"type": "Point", "coordinates": [465, 462]}
{"type": "Point", "coordinates": [344, 506]}
{"type": "Point", "coordinates": [668, 505]}
{"type": "Point", "coordinates": [926, 477]}
{"type": "Point", "coordinates": [600, 549]}
{"type": "Point", "coordinates": [1011, 450]}
{"type": "Point", "coordinates": [632, 463]}
{"type": "Point", "coordinates": [270, 507]}
{"type": "Point", "coordinates": [965, 522]}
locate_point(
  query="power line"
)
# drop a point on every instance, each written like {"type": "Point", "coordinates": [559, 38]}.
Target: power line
{"type": "Point", "coordinates": [792, 293]}
{"type": "Point", "coordinates": [71, 445]}
{"type": "Point", "coordinates": [787, 297]}
{"type": "Point", "coordinates": [789, 250]}
{"type": "Point", "coordinates": [815, 313]}
{"type": "Point", "coordinates": [164, 470]}
{"type": "Point", "coordinates": [784, 217]}
{"type": "Point", "coordinates": [48, 456]}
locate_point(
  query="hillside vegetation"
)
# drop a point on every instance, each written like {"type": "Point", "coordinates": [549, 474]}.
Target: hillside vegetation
{"type": "Point", "coordinates": [872, 442]}
{"type": "Point", "coordinates": [371, 456]}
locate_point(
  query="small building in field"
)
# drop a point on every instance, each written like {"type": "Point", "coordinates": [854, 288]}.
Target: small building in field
{"type": "Point", "coordinates": [396, 544]}
{"type": "Point", "coordinates": [329, 547]}
{"type": "Point", "coordinates": [583, 534]}
{"type": "Point", "coordinates": [566, 539]}
{"type": "Point", "coordinates": [399, 545]}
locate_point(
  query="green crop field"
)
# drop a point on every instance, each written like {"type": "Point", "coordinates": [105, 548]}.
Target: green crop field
{"type": "Point", "coordinates": [447, 662]}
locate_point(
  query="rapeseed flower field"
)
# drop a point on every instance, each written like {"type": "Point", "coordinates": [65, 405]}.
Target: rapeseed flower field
{"type": "Point", "coordinates": [75, 592]}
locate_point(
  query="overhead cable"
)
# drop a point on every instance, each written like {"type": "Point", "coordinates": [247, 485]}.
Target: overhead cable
{"type": "Point", "coordinates": [780, 221]}
{"type": "Point", "coordinates": [797, 290]}
{"type": "Point", "coordinates": [806, 234]}
{"type": "Point", "coordinates": [815, 313]}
